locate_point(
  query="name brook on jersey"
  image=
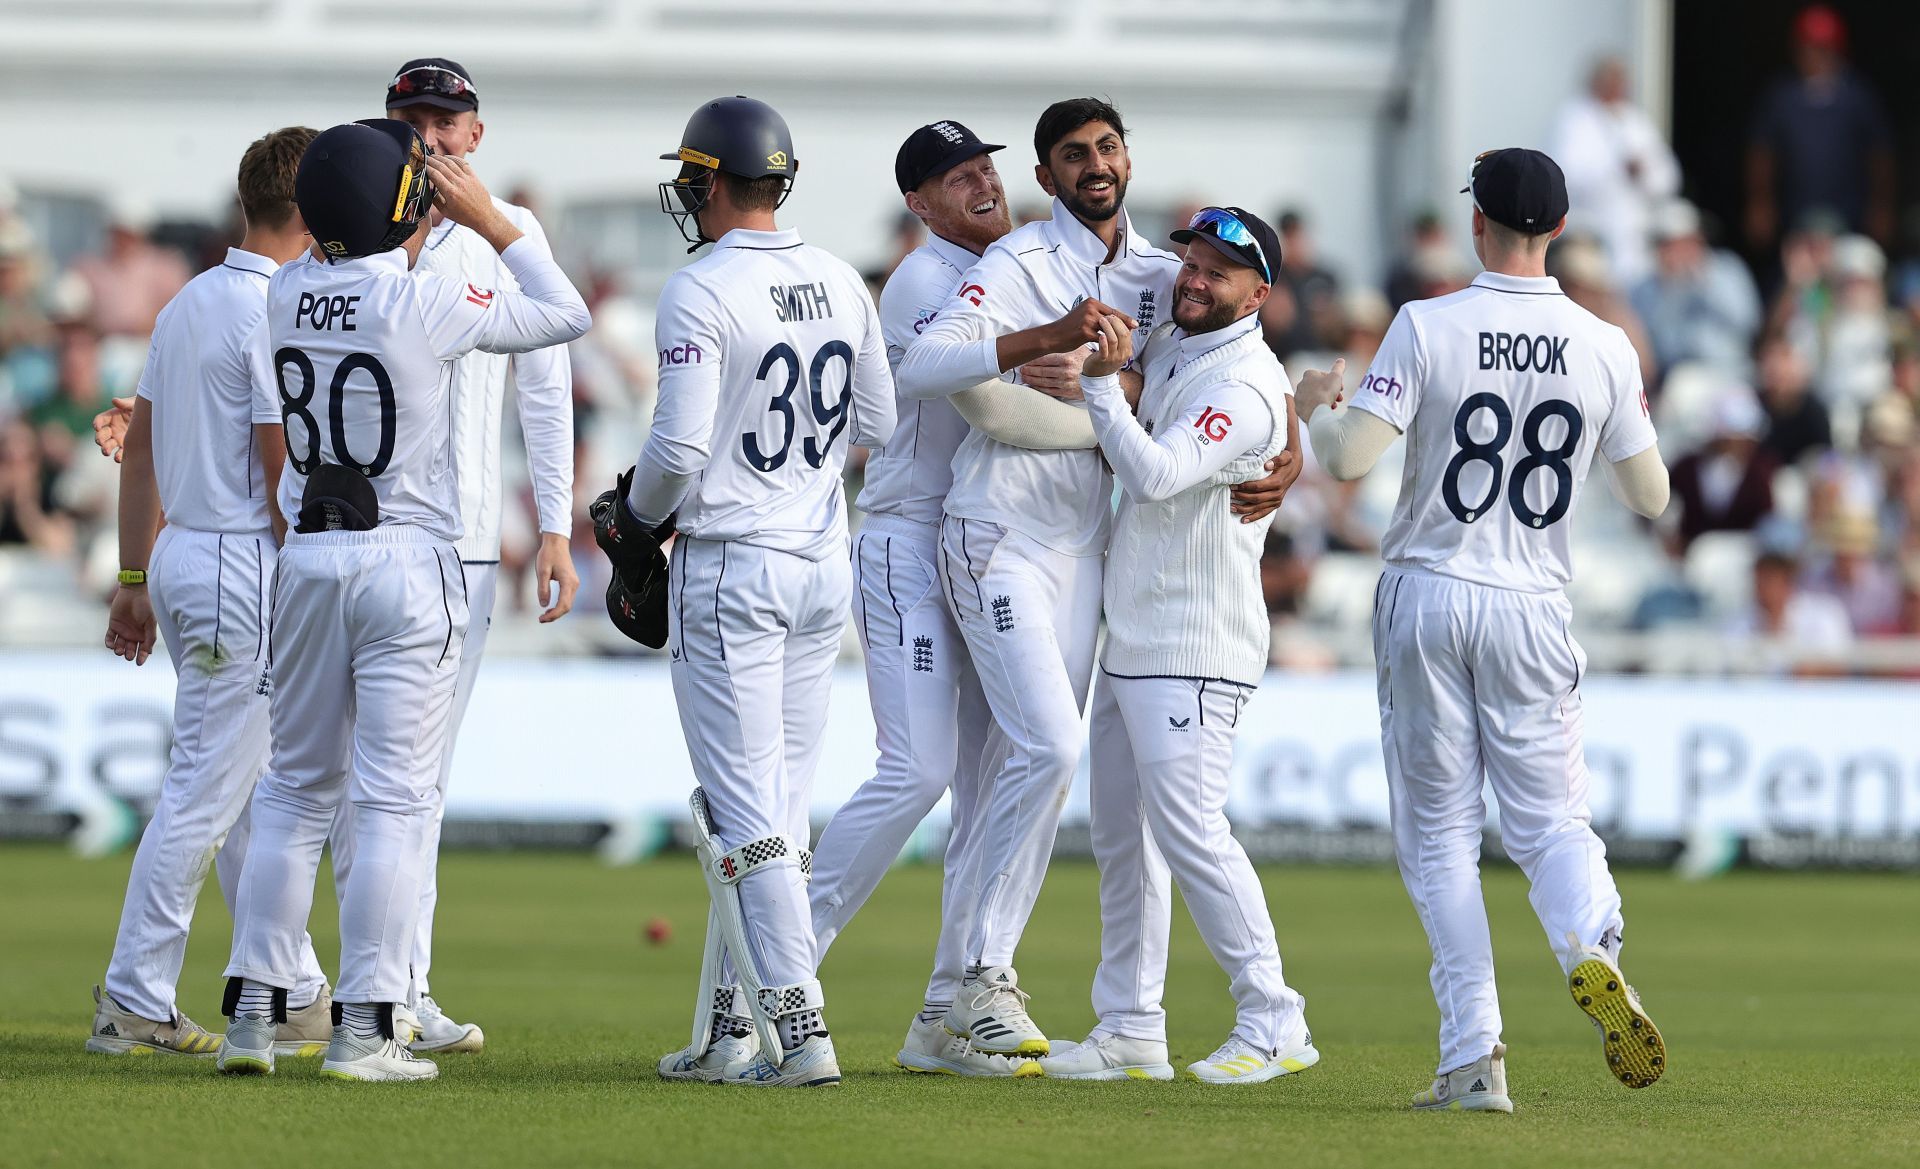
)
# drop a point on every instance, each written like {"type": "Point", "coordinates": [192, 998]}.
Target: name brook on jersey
{"type": "Point", "coordinates": [1523, 354]}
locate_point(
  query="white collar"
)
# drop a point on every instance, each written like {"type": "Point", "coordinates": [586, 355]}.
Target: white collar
{"type": "Point", "coordinates": [1193, 345]}
{"type": "Point", "coordinates": [759, 241]}
{"type": "Point", "coordinates": [1501, 282]}
{"type": "Point", "coordinates": [393, 259]}
{"type": "Point", "coordinates": [250, 262]}
{"type": "Point", "coordinates": [1080, 241]}
{"type": "Point", "coordinates": [950, 253]}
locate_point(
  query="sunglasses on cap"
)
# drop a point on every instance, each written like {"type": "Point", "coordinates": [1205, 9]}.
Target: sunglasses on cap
{"type": "Point", "coordinates": [432, 80]}
{"type": "Point", "coordinates": [1224, 225]}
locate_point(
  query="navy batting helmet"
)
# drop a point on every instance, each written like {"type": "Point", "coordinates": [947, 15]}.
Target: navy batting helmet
{"type": "Point", "coordinates": [362, 187]}
{"type": "Point", "coordinates": [736, 135]}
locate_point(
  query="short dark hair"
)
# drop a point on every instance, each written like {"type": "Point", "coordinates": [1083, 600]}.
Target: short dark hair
{"type": "Point", "coordinates": [266, 176]}
{"type": "Point", "coordinates": [761, 194]}
{"type": "Point", "coordinates": [1775, 560]}
{"type": "Point", "coordinates": [1064, 117]}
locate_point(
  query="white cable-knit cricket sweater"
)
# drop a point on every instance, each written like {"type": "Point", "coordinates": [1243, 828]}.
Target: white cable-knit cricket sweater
{"type": "Point", "coordinates": [1182, 590]}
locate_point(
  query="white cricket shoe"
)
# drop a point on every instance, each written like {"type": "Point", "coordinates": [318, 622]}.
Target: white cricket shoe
{"type": "Point", "coordinates": [709, 1067]}
{"type": "Point", "coordinates": [380, 1059]}
{"type": "Point", "coordinates": [810, 1065]}
{"type": "Point", "coordinates": [438, 1034]}
{"type": "Point", "coordinates": [1636, 1054]}
{"type": "Point", "coordinates": [247, 1049]}
{"type": "Point", "coordinates": [118, 1031]}
{"type": "Point", "coordinates": [1103, 1057]}
{"type": "Point", "coordinates": [1481, 1086]}
{"type": "Point", "coordinates": [931, 1048]}
{"type": "Point", "coordinates": [991, 1010]}
{"type": "Point", "coordinates": [1240, 1062]}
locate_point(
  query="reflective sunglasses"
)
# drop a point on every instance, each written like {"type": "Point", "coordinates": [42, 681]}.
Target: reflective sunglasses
{"type": "Point", "coordinates": [1224, 225]}
{"type": "Point", "coordinates": [435, 81]}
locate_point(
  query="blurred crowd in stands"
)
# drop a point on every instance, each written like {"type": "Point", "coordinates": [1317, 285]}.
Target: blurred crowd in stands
{"type": "Point", "coordinates": [1781, 355]}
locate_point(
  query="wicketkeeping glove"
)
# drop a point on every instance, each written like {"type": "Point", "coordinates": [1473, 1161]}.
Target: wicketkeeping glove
{"type": "Point", "coordinates": [637, 595]}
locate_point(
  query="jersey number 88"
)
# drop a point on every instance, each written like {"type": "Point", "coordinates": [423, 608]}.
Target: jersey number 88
{"type": "Point", "coordinates": [832, 417]}
{"type": "Point", "coordinates": [294, 406]}
{"type": "Point", "coordinates": [1489, 452]}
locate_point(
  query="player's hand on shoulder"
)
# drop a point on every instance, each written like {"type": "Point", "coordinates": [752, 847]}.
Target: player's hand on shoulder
{"type": "Point", "coordinates": [1257, 499]}
{"type": "Point", "coordinates": [1056, 375]}
{"type": "Point", "coordinates": [1081, 325]}
{"type": "Point", "coordinates": [1321, 387]}
{"type": "Point", "coordinates": [131, 628]}
{"type": "Point", "coordinates": [110, 428]}
{"type": "Point", "coordinates": [1115, 340]}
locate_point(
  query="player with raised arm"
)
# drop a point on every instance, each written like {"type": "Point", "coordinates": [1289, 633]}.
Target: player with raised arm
{"type": "Point", "coordinates": [932, 719]}
{"type": "Point", "coordinates": [369, 610]}
{"type": "Point", "coordinates": [1186, 644]}
{"type": "Point", "coordinates": [772, 362]}
{"type": "Point", "coordinates": [1505, 391]}
{"type": "Point", "coordinates": [199, 453]}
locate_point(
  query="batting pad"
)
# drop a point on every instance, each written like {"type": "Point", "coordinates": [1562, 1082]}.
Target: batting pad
{"type": "Point", "coordinates": [723, 871]}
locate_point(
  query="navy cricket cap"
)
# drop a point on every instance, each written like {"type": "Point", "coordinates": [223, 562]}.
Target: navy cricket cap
{"type": "Point", "coordinates": [1238, 233]}
{"type": "Point", "coordinates": [1519, 188]}
{"type": "Point", "coordinates": [362, 188]}
{"type": "Point", "coordinates": [935, 149]}
{"type": "Point", "coordinates": [433, 81]}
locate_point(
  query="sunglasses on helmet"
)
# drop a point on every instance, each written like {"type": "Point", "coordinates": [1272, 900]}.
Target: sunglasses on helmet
{"type": "Point", "coordinates": [1225, 226]}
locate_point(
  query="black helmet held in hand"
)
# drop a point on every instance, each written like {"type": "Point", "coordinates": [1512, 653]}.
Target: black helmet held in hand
{"type": "Point", "coordinates": [740, 136]}
{"type": "Point", "coordinates": [362, 188]}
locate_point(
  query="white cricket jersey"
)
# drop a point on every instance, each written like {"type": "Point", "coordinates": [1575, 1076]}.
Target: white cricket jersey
{"type": "Point", "coordinates": [1031, 276]}
{"type": "Point", "coordinates": [362, 364]}
{"type": "Point", "coordinates": [771, 364]}
{"type": "Point", "coordinates": [543, 390]}
{"type": "Point", "coordinates": [910, 476]}
{"type": "Point", "coordinates": [198, 381]}
{"type": "Point", "coordinates": [1504, 390]}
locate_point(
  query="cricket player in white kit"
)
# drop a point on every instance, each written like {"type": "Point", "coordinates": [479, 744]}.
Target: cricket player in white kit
{"type": "Point", "coordinates": [1505, 391]}
{"type": "Point", "coordinates": [1187, 636]}
{"type": "Point", "coordinates": [771, 363]}
{"type": "Point", "coordinates": [932, 721]}
{"type": "Point", "coordinates": [195, 455]}
{"type": "Point", "coordinates": [369, 609]}
{"type": "Point", "coordinates": [437, 97]}
{"type": "Point", "coordinates": [1025, 530]}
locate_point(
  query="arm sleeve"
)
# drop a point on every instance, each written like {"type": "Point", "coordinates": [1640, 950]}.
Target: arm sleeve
{"type": "Point", "coordinates": [547, 310]}
{"type": "Point", "coordinates": [1230, 420]}
{"type": "Point", "coordinates": [1391, 389]}
{"type": "Point", "coordinates": [871, 385]}
{"type": "Point", "coordinates": [266, 383]}
{"type": "Point", "coordinates": [959, 347]}
{"type": "Point", "coordinates": [1023, 417]}
{"type": "Point", "coordinates": [680, 441]}
{"type": "Point", "coordinates": [1641, 482]}
{"type": "Point", "coordinates": [543, 387]}
{"type": "Point", "coordinates": [1347, 443]}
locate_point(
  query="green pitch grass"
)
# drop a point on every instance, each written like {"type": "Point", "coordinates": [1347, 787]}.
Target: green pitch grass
{"type": "Point", "coordinates": [1787, 1003]}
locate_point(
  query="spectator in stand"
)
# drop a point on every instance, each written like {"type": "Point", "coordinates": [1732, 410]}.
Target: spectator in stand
{"type": "Point", "coordinates": [132, 279]}
{"type": "Point", "coordinates": [28, 513]}
{"type": "Point", "coordinates": [1429, 250]}
{"type": "Point", "coordinates": [1726, 486]}
{"type": "Point", "coordinates": [80, 391]}
{"type": "Point", "coordinates": [26, 331]}
{"type": "Point", "coordinates": [1618, 167]}
{"type": "Point", "coordinates": [1698, 303]}
{"type": "Point", "coordinates": [1307, 315]}
{"type": "Point", "coordinates": [1821, 140]}
{"type": "Point", "coordinates": [1854, 341]}
{"type": "Point", "coordinates": [1797, 420]}
{"type": "Point", "coordinates": [1866, 587]}
{"type": "Point", "coordinates": [1811, 629]}
{"type": "Point", "coordinates": [1580, 265]}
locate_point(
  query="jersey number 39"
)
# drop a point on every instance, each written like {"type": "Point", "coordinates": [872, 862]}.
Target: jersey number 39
{"type": "Point", "coordinates": [294, 406]}
{"type": "Point", "coordinates": [1537, 457]}
{"type": "Point", "coordinates": [831, 418]}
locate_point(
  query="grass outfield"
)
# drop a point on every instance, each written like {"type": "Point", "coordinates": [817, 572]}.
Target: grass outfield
{"type": "Point", "coordinates": [1786, 1001]}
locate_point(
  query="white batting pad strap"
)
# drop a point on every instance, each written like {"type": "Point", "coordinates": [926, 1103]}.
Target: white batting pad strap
{"type": "Point", "coordinates": [786, 1000]}
{"type": "Point", "coordinates": [755, 854]}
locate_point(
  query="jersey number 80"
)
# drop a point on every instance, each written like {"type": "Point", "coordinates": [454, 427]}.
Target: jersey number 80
{"type": "Point", "coordinates": [1537, 457]}
{"type": "Point", "coordinates": [294, 406]}
{"type": "Point", "coordinates": [833, 418]}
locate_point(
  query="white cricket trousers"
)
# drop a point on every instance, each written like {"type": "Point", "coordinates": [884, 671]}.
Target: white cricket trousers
{"type": "Point", "coordinates": [1484, 681]}
{"type": "Point", "coordinates": [1162, 759]}
{"type": "Point", "coordinates": [753, 637]}
{"type": "Point", "coordinates": [1030, 617]}
{"type": "Point", "coordinates": [210, 594]}
{"type": "Point", "coordinates": [481, 579]}
{"type": "Point", "coordinates": [367, 629]}
{"type": "Point", "coordinates": [931, 727]}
